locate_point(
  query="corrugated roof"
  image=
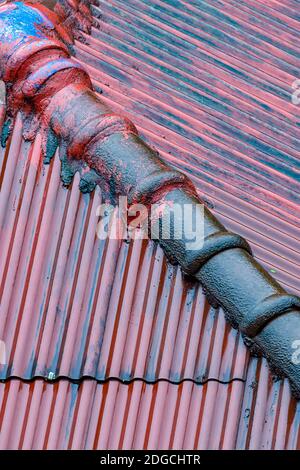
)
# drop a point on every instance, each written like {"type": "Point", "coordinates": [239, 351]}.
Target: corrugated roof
{"type": "Point", "coordinates": [209, 85]}
{"type": "Point", "coordinates": [258, 414]}
{"type": "Point", "coordinates": [73, 305]}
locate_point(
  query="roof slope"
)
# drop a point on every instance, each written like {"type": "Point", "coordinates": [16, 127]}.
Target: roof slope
{"type": "Point", "coordinates": [113, 415]}
{"type": "Point", "coordinates": [209, 85]}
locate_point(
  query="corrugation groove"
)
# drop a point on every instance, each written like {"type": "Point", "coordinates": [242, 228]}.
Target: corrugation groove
{"type": "Point", "coordinates": [209, 84]}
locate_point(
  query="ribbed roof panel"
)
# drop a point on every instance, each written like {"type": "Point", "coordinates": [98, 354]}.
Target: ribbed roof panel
{"type": "Point", "coordinates": [73, 305]}
{"type": "Point", "coordinates": [210, 85]}
{"type": "Point", "coordinates": [258, 414]}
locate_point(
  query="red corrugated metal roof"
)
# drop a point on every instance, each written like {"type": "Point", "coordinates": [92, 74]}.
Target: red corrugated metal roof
{"type": "Point", "coordinates": [73, 305]}
{"type": "Point", "coordinates": [90, 415]}
{"type": "Point", "coordinates": [209, 85]}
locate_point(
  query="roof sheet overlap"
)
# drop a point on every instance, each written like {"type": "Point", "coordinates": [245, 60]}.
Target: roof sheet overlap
{"type": "Point", "coordinates": [256, 414]}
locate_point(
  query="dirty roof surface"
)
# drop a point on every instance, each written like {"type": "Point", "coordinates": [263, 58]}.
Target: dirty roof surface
{"type": "Point", "coordinates": [210, 85]}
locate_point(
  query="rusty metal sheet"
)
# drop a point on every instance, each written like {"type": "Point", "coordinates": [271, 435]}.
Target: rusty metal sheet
{"type": "Point", "coordinates": [73, 305]}
{"type": "Point", "coordinates": [258, 414]}
{"type": "Point", "coordinates": [210, 84]}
